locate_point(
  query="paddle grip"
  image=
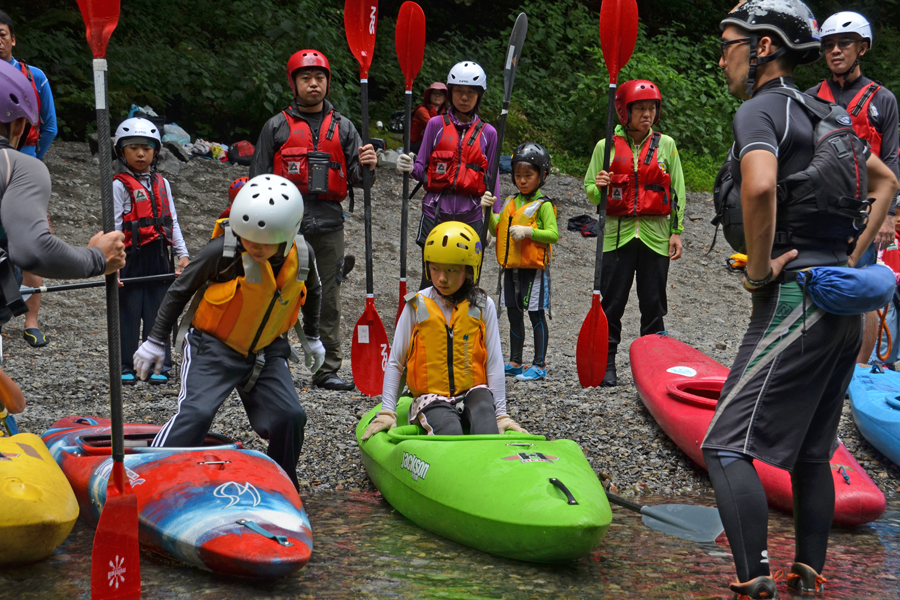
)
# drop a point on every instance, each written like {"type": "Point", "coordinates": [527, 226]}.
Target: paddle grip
{"type": "Point", "coordinates": [112, 284]}
{"type": "Point", "coordinates": [601, 209]}
{"type": "Point", "coordinates": [367, 186]}
{"type": "Point", "coordinates": [404, 212]}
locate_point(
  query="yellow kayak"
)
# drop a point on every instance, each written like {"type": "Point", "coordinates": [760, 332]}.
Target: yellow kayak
{"type": "Point", "coordinates": [39, 507]}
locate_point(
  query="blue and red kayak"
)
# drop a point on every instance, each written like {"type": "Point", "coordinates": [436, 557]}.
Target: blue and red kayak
{"type": "Point", "coordinates": [218, 507]}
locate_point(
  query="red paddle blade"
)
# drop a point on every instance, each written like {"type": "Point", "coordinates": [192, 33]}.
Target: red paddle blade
{"type": "Point", "coordinates": [618, 33]}
{"type": "Point", "coordinates": [360, 21]}
{"type": "Point", "coordinates": [100, 19]}
{"type": "Point", "coordinates": [593, 345]}
{"type": "Point", "coordinates": [115, 560]}
{"type": "Point", "coordinates": [402, 301]}
{"type": "Point", "coordinates": [370, 351]}
{"type": "Point", "coordinates": [409, 38]}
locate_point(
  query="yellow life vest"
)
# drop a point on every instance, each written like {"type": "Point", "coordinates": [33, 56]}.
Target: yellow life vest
{"type": "Point", "coordinates": [247, 313]}
{"type": "Point", "coordinates": [526, 254]}
{"type": "Point", "coordinates": [445, 359]}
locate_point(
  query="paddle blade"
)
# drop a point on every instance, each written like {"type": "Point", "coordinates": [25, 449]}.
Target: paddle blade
{"type": "Point", "coordinates": [593, 346]}
{"type": "Point", "coordinates": [618, 33]}
{"type": "Point", "coordinates": [409, 38]}
{"type": "Point", "coordinates": [516, 41]}
{"type": "Point", "coordinates": [402, 301]}
{"type": "Point", "coordinates": [370, 351]}
{"type": "Point", "coordinates": [360, 21]}
{"type": "Point", "coordinates": [115, 560]}
{"type": "Point", "coordinates": [100, 19]}
{"type": "Point", "coordinates": [692, 523]}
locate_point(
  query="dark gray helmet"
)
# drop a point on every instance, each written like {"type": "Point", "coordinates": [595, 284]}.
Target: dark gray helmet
{"type": "Point", "coordinates": [535, 155]}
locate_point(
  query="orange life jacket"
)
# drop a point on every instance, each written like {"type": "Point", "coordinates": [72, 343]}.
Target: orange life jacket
{"type": "Point", "coordinates": [445, 359]}
{"type": "Point", "coordinates": [646, 191]}
{"type": "Point", "coordinates": [526, 254]}
{"type": "Point", "coordinates": [248, 312]}
{"type": "Point", "coordinates": [34, 134]}
{"type": "Point", "coordinates": [292, 160]}
{"type": "Point", "coordinates": [859, 113]}
{"type": "Point", "coordinates": [457, 163]}
{"type": "Point", "coordinates": [149, 216]}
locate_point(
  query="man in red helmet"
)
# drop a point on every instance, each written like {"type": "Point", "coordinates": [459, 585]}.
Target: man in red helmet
{"type": "Point", "coordinates": [645, 206]}
{"type": "Point", "coordinates": [320, 151]}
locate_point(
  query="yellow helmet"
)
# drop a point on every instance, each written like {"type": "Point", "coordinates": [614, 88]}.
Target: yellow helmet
{"type": "Point", "coordinates": [453, 243]}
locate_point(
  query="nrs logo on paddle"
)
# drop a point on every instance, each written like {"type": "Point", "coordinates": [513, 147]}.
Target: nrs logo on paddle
{"type": "Point", "coordinates": [417, 468]}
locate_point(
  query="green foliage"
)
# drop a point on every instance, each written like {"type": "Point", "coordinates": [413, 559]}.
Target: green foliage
{"type": "Point", "coordinates": [699, 171]}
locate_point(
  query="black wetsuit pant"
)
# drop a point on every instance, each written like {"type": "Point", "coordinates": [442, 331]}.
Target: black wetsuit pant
{"type": "Point", "coordinates": [139, 303]}
{"type": "Point", "coordinates": [443, 418]}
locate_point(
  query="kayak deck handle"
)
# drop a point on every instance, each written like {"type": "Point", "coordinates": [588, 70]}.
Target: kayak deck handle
{"type": "Point", "coordinates": [520, 444]}
{"type": "Point", "coordinates": [564, 490]}
{"type": "Point", "coordinates": [252, 526]}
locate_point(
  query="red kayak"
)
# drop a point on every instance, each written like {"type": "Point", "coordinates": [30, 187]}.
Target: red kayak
{"type": "Point", "coordinates": [680, 387]}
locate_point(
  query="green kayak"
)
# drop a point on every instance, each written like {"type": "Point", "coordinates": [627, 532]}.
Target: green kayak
{"type": "Point", "coordinates": [514, 495]}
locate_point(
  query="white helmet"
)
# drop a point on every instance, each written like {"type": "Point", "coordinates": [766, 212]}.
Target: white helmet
{"type": "Point", "coordinates": [142, 129]}
{"type": "Point", "coordinates": [847, 22]}
{"type": "Point", "coordinates": [267, 210]}
{"type": "Point", "coordinates": [467, 73]}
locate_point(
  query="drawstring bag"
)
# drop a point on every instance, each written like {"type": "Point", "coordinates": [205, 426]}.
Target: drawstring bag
{"type": "Point", "coordinates": [848, 291]}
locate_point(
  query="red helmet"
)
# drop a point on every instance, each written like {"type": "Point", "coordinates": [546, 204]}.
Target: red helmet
{"type": "Point", "coordinates": [304, 59]}
{"type": "Point", "coordinates": [235, 187]}
{"type": "Point", "coordinates": [636, 90]}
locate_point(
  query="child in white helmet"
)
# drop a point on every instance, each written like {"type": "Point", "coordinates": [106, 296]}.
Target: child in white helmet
{"type": "Point", "coordinates": [250, 284]}
{"type": "Point", "coordinates": [145, 213]}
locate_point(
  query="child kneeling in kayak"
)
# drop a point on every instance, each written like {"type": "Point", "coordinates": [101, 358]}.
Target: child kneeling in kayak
{"type": "Point", "coordinates": [448, 342]}
{"type": "Point", "coordinates": [251, 282]}
{"type": "Point", "coordinates": [525, 229]}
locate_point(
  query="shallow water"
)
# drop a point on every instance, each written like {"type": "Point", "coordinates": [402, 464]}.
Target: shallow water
{"type": "Point", "coordinates": [364, 549]}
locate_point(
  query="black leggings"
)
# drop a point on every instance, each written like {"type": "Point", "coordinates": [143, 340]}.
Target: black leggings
{"type": "Point", "coordinates": [478, 414]}
{"type": "Point", "coordinates": [745, 512]}
{"type": "Point", "coordinates": [517, 335]}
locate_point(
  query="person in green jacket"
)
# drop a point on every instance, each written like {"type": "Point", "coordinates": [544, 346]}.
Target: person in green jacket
{"type": "Point", "coordinates": [525, 229]}
{"type": "Point", "coordinates": [645, 208]}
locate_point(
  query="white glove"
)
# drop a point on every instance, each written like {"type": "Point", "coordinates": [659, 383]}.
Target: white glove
{"type": "Point", "coordinates": [487, 201]}
{"type": "Point", "coordinates": [386, 419]}
{"type": "Point", "coordinates": [405, 163]}
{"type": "Point", "coordinates": [505, 423]}
{"type": "Point", "coordinates": [315, 354]}
{"type": "Point", "coordinates": [150, 355]}
{"type": "Point", "coordinates": [520, 232]}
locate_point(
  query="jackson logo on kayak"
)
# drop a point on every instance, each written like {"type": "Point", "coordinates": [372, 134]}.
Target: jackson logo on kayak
{"type": "Point", "coordinates": [530, 457]}
{"type": "Point", "coordinates": [133, 478]}
{"type": "Point", "coordinates": [233, 491]}
{"type": "Point", "coordinates": [417, 468]}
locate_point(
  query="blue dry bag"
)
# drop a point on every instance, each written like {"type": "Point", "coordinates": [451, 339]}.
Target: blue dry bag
{"type": "Point", "coordinates": [847, 291]}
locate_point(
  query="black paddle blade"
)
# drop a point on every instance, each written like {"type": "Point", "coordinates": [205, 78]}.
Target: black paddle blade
{"type": "Point", "coordinates": [516, 41]}
{"type": "Point", "coordinates": [692, 523]}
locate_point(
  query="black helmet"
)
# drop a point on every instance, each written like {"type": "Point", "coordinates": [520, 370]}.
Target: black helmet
{"type": "Point", "coordinates": [535, 155]}
{"type": "Point", "coordinates": [791, 20]}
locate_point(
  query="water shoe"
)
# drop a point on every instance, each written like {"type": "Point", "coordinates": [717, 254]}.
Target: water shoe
{"type": "Point", "coordinates": [533, 373]}
{"type": "Point", "coordinates": [761, 588]}
{"type": "Point", "coordinates": [158, 379]}
{"type": "Point", "coordinates": [35, 338]}
{"type": "Point", "coordinates": [512, 371]}
{"type": "Point", "coordinates": [805, 580]}
{"type": "Point", "coordinates": [129, 379]}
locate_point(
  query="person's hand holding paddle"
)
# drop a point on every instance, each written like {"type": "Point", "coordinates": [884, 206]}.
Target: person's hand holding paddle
{"type": "Point", "coordinates": [405, 163]}
{"type": "Point", "coordinates": [113, 246]}
{"type": "Point", "coordinates": [182, 263]}
{"type": "Point", "coordinates": [487, 201]}
{"type": "Point", "coordinates": [367, 156]}
{"type": "Point", "coordinates": [602, 179]}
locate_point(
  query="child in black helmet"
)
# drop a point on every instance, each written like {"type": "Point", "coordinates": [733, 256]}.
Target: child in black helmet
{"type": "Point", "coordinates": [525, 229]}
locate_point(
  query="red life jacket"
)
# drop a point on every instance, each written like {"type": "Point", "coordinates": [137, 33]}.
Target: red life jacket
{"type": "Point", "coordinates": [34, 134]}
{"type": "Point", "coordinates": [149, 216]}
{"type": "Point", "coordinates": [458, 164]}
{"type": "Point", "coordinates": [417, 129]}
{"type": "Point", "coordinates": [292, 159]}
{"type": "Point", "coordinates": [859, 112]}
{"type": "Point", "coordinates": [645, 192]}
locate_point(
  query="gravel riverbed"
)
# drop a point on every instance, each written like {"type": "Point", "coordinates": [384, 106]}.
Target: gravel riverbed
{"type": "Point", "coordinates": [707, 309]}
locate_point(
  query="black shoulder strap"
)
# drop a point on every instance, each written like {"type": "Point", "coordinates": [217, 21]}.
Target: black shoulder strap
{"type": "Point", "coordinates": [873, 87]}
{"type": "Point", "coordinates": [476, 132]}
{"type": "Point", "coordinates": [654, 144]}
{"type": "Point", "coordinates": [335, 120]}
{"type": "Point", "coordinates": [811, 104]}
{"type": "Point", "coordinates": [446, 119]}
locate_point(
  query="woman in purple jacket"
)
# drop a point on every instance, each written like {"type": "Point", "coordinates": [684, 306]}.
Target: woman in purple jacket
{"type": "Point", "coordinates": [456, 155]}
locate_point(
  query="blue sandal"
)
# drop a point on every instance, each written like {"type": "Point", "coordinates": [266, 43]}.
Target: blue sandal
{"type": "Point", "coordinates": [158, 379]}
{"type": "Point", "coordinates": [129, 379]}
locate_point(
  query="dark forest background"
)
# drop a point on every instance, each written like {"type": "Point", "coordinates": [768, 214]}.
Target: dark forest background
{"type": "Point", "coordinates": [217, 68]}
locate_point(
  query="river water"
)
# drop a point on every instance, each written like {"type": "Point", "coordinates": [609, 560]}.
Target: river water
{"type": "Point", "coordinates": [365, 549]}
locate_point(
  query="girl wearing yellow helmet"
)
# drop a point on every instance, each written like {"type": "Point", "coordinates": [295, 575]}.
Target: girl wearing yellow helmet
{"type": "Point", "coordinates": [448, 342]}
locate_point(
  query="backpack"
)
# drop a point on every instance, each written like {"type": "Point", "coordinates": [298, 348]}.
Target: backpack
{"type": "Point", "coordinates": [241, 153]}
{"type": "Point", "coordinates": [822, 207]}
{"type": "Point", "coordinates": [398, 119]}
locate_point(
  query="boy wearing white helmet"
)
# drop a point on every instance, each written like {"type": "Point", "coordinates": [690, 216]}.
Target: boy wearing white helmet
{"type": "Point", "coordinates": [145, 213]}
{"type": "Point", "coordinates": [249, 285]}
{"type": "Point", "coordinates": [455, 158]}
{"type": "Point", "coordinates": [846, 37]}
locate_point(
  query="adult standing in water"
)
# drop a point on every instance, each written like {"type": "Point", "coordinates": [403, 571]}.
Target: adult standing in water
{"type": "Point", "coordinates": [318, 150]}
{"type": "Point", "coordinates": [846, 37]}
{"type": "Point", "coordinates": [38, 141]}
{"type": "Point", "coordinates": [782, 401]}
{"type": "Point", "coordinates": [457, 152]}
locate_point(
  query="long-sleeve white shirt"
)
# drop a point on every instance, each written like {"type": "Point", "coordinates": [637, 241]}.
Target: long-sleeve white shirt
{"type": "Point", "coordinates": [122, 205]}
{"type": "Point", "coordinates": [496, 378]}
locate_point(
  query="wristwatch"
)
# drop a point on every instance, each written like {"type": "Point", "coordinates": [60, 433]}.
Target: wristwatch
{"type": "Point", "coordinates": [761, 283]}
